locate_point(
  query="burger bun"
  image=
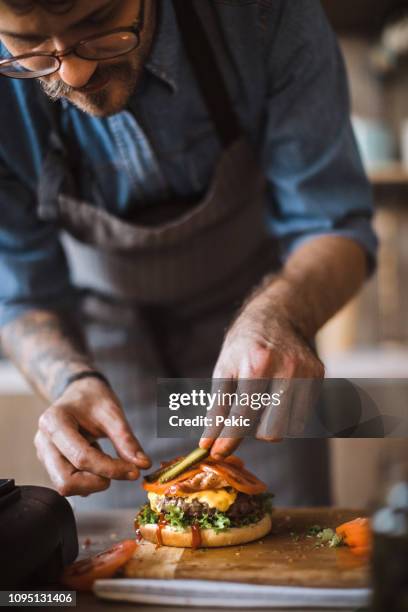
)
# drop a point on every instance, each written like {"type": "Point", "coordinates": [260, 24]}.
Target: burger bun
{"type": "Point", "coordinates": [182, 538]}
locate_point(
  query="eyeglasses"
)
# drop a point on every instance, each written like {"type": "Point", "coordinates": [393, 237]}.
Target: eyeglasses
{"type": "Point", "coordinates": [99, 47]}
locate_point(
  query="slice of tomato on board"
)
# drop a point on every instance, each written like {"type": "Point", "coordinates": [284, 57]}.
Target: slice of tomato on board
{"type": "Point", "coordinates": [357, 535]}
{"type": "Point", "coordinates": [81, 575]}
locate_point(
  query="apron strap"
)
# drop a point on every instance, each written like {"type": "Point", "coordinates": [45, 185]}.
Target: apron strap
{"type": "Point", "coordinates": [206, 69]}
{"type": "Point", "coordinates": [58, 170]}
{"type": "Point", "coordinates": [53, 112]}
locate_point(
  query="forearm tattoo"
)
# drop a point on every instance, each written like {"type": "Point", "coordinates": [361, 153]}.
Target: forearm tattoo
{"type": "Point", "coordinates": [47, 348]}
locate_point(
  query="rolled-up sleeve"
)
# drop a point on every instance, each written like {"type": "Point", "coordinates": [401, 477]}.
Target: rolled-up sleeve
{"type": "Point", "coordinates": [33, 270]}
{"type": "Point", "coordinates": [316, 181]}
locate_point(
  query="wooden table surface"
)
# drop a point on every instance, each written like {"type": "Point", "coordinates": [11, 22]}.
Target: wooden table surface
{"type": "Point", "coordinates": [100, 530]}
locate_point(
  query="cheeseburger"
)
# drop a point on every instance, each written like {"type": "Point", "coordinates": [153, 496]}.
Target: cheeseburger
{"type": "Point", "coordinates": [195, 501]}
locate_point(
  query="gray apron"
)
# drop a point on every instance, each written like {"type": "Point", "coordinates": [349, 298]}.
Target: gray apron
{"type": "Point", "coordinates": [159, 290]}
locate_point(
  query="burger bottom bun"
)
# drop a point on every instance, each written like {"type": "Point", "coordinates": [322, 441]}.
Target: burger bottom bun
{"type": "Point", "coordinates": [209, 538]}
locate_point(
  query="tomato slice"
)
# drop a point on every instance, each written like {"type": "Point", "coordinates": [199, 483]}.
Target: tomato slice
{"type": "Point", "coordinates": [160, 489]}
{"type": "Point", "coordinates": [234, 460]}
{"type": "Point", "coordinates": [81, 575]}
{"type": "Point", "coordinates": [357, 535]}
{"type": "Point", "coordinates": [237, 477]}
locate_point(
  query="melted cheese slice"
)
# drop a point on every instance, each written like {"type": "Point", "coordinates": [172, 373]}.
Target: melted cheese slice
{"type": "Point", "coordinates": [221, 499]}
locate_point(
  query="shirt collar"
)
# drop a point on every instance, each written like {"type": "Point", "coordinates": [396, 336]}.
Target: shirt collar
{"type": "Point", "coordinates": [165, 56]}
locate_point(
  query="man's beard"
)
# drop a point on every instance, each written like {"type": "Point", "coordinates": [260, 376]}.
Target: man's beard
{"type": "Point", "coordinates": [97, 103]}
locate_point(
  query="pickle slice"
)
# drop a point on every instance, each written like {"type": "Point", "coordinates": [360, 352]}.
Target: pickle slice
{"type": "Point", "coordinates": [156, 475]}
{"type": "Point", "coordinates": [181, 466]}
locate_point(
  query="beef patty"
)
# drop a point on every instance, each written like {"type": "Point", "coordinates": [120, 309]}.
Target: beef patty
{"type": "Point", "coordinates": [243, 507]}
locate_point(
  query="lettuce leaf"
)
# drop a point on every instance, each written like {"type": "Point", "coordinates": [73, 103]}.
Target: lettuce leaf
{"type": "Point", "coordinates": [221, 522]}
{"type": "Point", "coordinates": [175, 517]}
{"type": "Point", "coordinates": [146, 516]}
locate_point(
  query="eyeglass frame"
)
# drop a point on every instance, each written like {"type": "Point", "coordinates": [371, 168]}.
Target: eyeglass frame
{"type": "Point", "coordinates": [136, 29]}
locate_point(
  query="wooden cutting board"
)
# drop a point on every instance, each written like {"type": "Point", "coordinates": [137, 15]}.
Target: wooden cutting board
{"type": "Point", "coordinates": [285, 557]}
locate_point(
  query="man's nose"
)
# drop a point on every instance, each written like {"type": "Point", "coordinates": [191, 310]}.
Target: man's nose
{"type": "Point", "coordinates": [76, 72]}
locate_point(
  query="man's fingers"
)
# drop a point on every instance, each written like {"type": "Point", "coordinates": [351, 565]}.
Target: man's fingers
{"type": "Point", "coordinates": [66, 479]}
{"type": "Point", "coordinates": [243, 416]}
{"type": "Point", "coordinates": [223, 447]}
{"type": "Point", "coordinates": [297, 381]}
{"type": "Point", "coordinates": [206, 443]}
{"type": "Point", "coordinates": [305, 395]}
{"type": "Point", "coordinates": [81, 454]}
{"type": "Point", "coordinates": [127, 446]}
{"type": "Point", "coordinates": [220, 387]}
{"type": "Point", "coordinates": [274, 421]}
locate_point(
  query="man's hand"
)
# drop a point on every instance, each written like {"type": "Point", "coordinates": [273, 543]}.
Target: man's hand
{"type": "Point", "coordinates": [260, 346]}
{"type": "Point", "coordinates": [48, 348]}
{"type": "Point", "coordinates": [65, 440]}
{"type": "Point", "coordinates": [273, 335]}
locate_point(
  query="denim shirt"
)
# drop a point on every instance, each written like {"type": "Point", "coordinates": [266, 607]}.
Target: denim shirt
{"type": "Point", "coordinates": [287, 80]}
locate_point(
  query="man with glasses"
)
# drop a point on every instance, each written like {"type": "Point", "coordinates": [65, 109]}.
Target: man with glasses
{"type": "Point", "coordinates": [130, 232]}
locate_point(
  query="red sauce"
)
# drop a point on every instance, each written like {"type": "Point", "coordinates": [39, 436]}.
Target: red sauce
{"type": "Point", "coordinates": [162, 523]}
{"type": "Point", "coordinates": [137, 530]}
{"type": "Point", "coordinates": [139, 536]}
{"type": "Point", "coordinates": [159, 538]}
{"type": "Point", "coordinates": [195, 536]}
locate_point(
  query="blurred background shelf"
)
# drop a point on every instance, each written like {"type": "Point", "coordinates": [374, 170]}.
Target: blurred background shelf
{"type": "Point", "coordinates": [393, 174]}
{"type": "Point", "coordinates": [11, 381]}
{"type": "Point", "coordinates": [360, 16]}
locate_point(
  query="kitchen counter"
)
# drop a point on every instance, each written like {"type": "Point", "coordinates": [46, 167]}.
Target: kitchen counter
{"type": "Point", "coordinates": [100, 530]}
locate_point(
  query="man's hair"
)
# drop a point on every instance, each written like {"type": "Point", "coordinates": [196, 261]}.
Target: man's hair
{"type": "Point", "coordinates": [54, 6]}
